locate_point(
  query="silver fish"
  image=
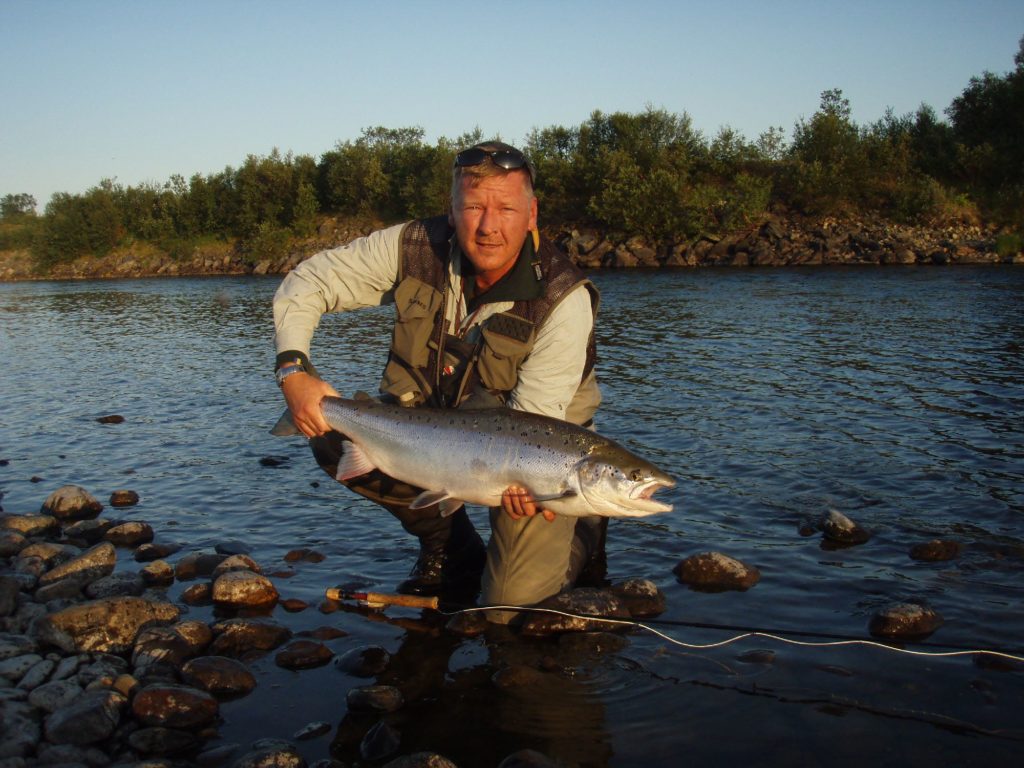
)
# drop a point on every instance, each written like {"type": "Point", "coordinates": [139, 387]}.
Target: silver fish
{"type": "Point", "coordinates": [474, 455]}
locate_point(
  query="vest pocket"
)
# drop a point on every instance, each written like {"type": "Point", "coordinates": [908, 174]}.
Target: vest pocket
{"type": "Point", "coordinates": [500, 359]}
{"type": "Point", "coordinates": [416, 305]}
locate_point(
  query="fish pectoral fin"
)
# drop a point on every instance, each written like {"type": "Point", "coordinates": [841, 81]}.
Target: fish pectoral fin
{"type": "Point", "coordinates": [353, 462]}
{"type": "Point", "coordinates": [429, 498]}
{"type": "Point", "coordinates": [285, 426]}
{"type": "Point", "coordinates": [567, 494]}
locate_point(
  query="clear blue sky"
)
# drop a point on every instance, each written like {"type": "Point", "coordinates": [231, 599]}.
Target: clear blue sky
{"type": "Point", "coordinates": [138, 90]}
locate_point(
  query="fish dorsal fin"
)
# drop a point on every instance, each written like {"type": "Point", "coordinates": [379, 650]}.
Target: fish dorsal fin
{"type": "Point", "coordinates": [353, 462]}
{"type": "Point", "coordinates": [449, 505]}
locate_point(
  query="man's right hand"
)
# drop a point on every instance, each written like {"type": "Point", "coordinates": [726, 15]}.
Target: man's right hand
{"type": "Point", "coordinates": [303, 394]}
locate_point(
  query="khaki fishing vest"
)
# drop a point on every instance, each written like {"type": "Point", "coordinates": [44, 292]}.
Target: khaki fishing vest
{"type": "Point", "coordinates": [423, 356]}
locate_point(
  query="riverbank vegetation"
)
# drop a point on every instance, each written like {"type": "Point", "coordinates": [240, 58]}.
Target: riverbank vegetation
{"type": "Point", "coordinates": [648, 174]}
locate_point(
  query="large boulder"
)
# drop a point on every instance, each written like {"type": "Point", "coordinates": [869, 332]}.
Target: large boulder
{"type": "Point", "coordinates": [109, 625]}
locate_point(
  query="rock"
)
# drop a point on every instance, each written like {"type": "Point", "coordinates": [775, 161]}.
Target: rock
{"type": "Point", "coordinates": [421, 760]}
{"type": "Point", "coordinates": [109, 625]}
{"type": "Point", "coordinates": [294, 605]}
{"type": "Point", "coordinates": [130, 534]}
{"type": "Point", "coordinates": [12, 645]}
{"type": "Point", "coordinates": [11, 542]}
{"type": "Point", "coordinates": [304, 555]}
{"type": "Point", "coordinates": [124, 498]}
{"type": "Point", "coordinates": [164, 645]}
{"type": "Point", "coordinates": [312, 730]}
{"type": "Point", "coordinates": [236, 637]}
{"type": "Point", "coordinates": [158, 740]}
{"type": "Point", "coordinates": [14, 668]}
{"type": "Point", "coordinates": [584, 603]}
{"type": "Point", "coordinates": [592, 643]}
{"type": "Point", "coordinates": [217, 756]}
{"type": "Point", "coordinates": [904, 621]}
{"type": "Point", "coordinates": [37, 675]}
{"type": "Point", "coordinates": [232, 547]}
{"type": "Point", "coordinates": [280, 756]}
{"type": "Point", "coordinates": [244, 589]}
{"type": "Point", "coordinates": [174, 706]}
{"type": "Point", "coordinates": [715, 572]}
{"type": "Point", "coordinates": [9, 589]}
{"type": "Point", "coordinates": [71, 502]}
{"type": "Point", "coordinates": [935, 551]}
{"type": "Point", "coordinates": [54, 695]}
{"type": "Point", "coordinates": [380, 742]}
{"type": "Point", "coordinates": [840, 529]}
{"type": "Point", "coordinates": [642, 597]}
{"type": "Point", "coordinates": [111, 419]}
{"type": "Point", "coordinates": [31, 525]}
{"type": "Point", "coordinates": [159, 573]}
{"type": "Point", "coordinates": [89, 531]}
{"type": "Point", "coordinates": [374, 698]}
{"type": "Point", "coordinates": [527, 758]}
{"type": "Point", "coordinates": [467, 624]}
{"type": "Point", "coordinates": [94, 563]}
{"type": "Point", "coordinates": [115, 585]}
{"type": "Point", "coordinates": [198, 594]}
{"type": "Point", "coordinates": [518, 676]}
{"type": "Point", "coordinates": [148, 552]}
{"type": "Point", "coordinates": [219, 675]}
{"type": "Point", "coordinates": [236, 563]}
{"type": "Point", "coordinates": [19, 729]}
{"type": "Point", "coordinates": [367, 661]}
{"type": "Point", "coordinates": [197, 564]}
{"type": "Point", "coordinates": [52, 554]}
{"type": "Point", "coordinates": [304, 654]}
{"type": "Point", "coordinates": [90, 718]}
{"type": "Point", "coordinates": [756, 657]}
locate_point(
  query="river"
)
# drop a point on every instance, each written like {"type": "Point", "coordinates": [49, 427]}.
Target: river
{"type": "Point", "coordinates": [894, 395]}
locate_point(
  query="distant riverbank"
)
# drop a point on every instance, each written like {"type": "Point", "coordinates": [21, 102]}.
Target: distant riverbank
{"type": "Point", "coordinates": [774, 241]}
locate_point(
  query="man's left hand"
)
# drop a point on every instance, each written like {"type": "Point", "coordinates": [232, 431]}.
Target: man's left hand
{"type": "Point", "coordinates": [518, 503]}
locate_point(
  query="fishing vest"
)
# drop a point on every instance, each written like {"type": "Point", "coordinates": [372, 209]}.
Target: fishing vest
{"type": "Point", "coordinates": [427, 366]}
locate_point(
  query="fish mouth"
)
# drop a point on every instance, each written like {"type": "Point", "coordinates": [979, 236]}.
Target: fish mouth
{"type": "Point", "coordinates": [642, 495]}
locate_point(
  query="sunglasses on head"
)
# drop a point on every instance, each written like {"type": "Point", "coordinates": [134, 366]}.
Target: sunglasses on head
{"type": "Point", "coordinates": [509, 159]}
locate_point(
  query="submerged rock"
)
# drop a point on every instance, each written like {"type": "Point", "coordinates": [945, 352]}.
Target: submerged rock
{"type": "Point", "coordinates": [374, 698]}
{"type": "Point", "coordinates": [935, 551]}
{"type": "Point", "coordinates": [904, 621]}
{"type": "Point", "coordinates": [585, 608]}
{"type": "Point", "coordinates": [839, 529]}
{"type": "Point", "coordinates": [236, 637]}
{"type": "Point", "coordinates": [421, 760]}
{"type": "Point", "coordinates": [124, 498]}
{"type": "Point", "coordinates": [380, 742]}
{"type": "Point", "coordinates": [219, 675]}
{"type": "Point", "coordinates": [366, 661]}
{"type": "Point", "coordinates": [715, 572]}
{"type": "Point", "coordinates": [642, 597]}
{"type": "Point", "coordinates": [303, 654]}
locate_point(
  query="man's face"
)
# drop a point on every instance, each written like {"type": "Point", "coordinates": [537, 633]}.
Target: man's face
{"type": "Point", "coordinates": [492, 219]}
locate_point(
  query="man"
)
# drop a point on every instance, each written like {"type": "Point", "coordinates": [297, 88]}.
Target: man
{"type": "Point", "coordinates": [488, 314]}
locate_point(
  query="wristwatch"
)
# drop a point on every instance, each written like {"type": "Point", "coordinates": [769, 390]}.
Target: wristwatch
{"type": "Point", "coordinates": [285, 371]}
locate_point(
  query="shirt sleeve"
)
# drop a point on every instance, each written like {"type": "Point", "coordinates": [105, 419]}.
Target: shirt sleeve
{"type": "Point", "coordinates": [551, 374]}
{"type": "Point", "coordinates": [360, 274]}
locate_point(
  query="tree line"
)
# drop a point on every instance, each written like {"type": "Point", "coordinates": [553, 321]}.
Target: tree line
{"type": "Point", "coordinates": [649, 173]}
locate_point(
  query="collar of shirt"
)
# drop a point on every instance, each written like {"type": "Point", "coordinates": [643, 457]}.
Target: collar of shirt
{"type": "Point", "coordinates": [521, 283]}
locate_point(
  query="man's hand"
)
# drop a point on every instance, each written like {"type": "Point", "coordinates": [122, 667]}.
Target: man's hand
{"type": "Point", "coordinates": [518, 503]}
{"type": "Point", "coordinates": [303, 394]}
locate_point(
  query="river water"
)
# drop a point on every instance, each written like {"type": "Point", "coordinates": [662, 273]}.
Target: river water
{"type": "Point", "coordinates": [894, 395]}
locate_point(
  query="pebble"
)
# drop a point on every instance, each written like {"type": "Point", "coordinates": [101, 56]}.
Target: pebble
{"type": "Point", "coordinates": [715, 572]}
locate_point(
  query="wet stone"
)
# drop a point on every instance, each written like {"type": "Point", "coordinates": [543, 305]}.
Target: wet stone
{"type": "Point", "coordinates": [131, 533]}
{"type": "Point", "coordinates": [471, 624]}
{"type": "Point", "coordinates": [50, 553]}
{"type": "Point", "coordinates": [279, 756]}
{"type": "Point", "coordinates": [174, 706]}
{"type": "Point", "coordinates": [642, 597]}
{"type": "Point", "coordinates": [757, 657]}
{"type": "Point", "coordinates": [232, 547]}
{"type": "Point", "coordinates": [54, 695]}
{"type": "Point", "coordinates": [421, 760]}
{"type": "Point", "coordinates": [159, 573]}
{"type": "Point", "coordinates": [304, 555]}
{"type": "Point", "coordinates": [935, 551]}
{"type": "Point", "coordinates": [163, 645]}
{"type": "Point", "coordinates": [11, 542]}
{"type": "Point", "coordinates": [244, 589]}
{"type": "Point", "coordinates": [90, 718]}
{"type": "Point", "coordinates": [235, 637]}
{"type": "Point", "coordinates": [109, 625]}
{"type": "Point", "coordinates": [71, 502]}
{"type": "Point", "coordinates": [294, 605]}
{"type": "Point", "coordinates": [592, 643]}
{"type": "Point", "coordinates": [116, 585]}
{"type": "Point", "coordinates": [527, 758]}
{"type": "Point", "coordinates": [380, 742]}
{"type": "Point", "coordinates": [904, 621]}
{"type": "Point", "coordinates": [89, 531]}
{"type": "Point", "coordinates": [303, 654]}
{"type": "Point", "coordinates": [30, 525]}
{"type": "Point", "coordinates": [323, 633]}
{"type": "Point", "coordinates": [157, 740]}
{"type": "Point", "coordinates": [367, 661]}
{"type": "Point", "coordinates": [124, 498]}
{"type": "Point", "coordinates": [198, 594]}
{"type": "Point", "coordinates": [219, 675]}
{"type": "Point", "coordinates": [113, 418]}
{"type": "Point", "coordinates": [94, 563]}
{"type": "Point", "coordinates": [9, 589]}
{"type": "Point", "coordinates": [715, 572]}
{"type": "Point", "coordinates": [583, 605]}
{"type": "Point", "coordinates": [517, 676]}
{"type": "Point", "coordinates": [374, 698]}
{"type": "Point", "coordinates": [839, 529]}
{"type": "Point", "coordinates": [312, 730]}
{"type": "Point", "coordinates": [197, 564]}
{"type": "Point", "coordinates": [149, 552]}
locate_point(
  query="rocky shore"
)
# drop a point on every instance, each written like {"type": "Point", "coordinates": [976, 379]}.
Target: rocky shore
{"type": "Point", "coordinates": [775, 241]}
{"type": "Point", "coordinates": [100, 666]}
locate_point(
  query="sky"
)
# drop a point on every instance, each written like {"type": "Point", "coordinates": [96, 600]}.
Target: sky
{"type": "Point", "coordinates": [139, 90]}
